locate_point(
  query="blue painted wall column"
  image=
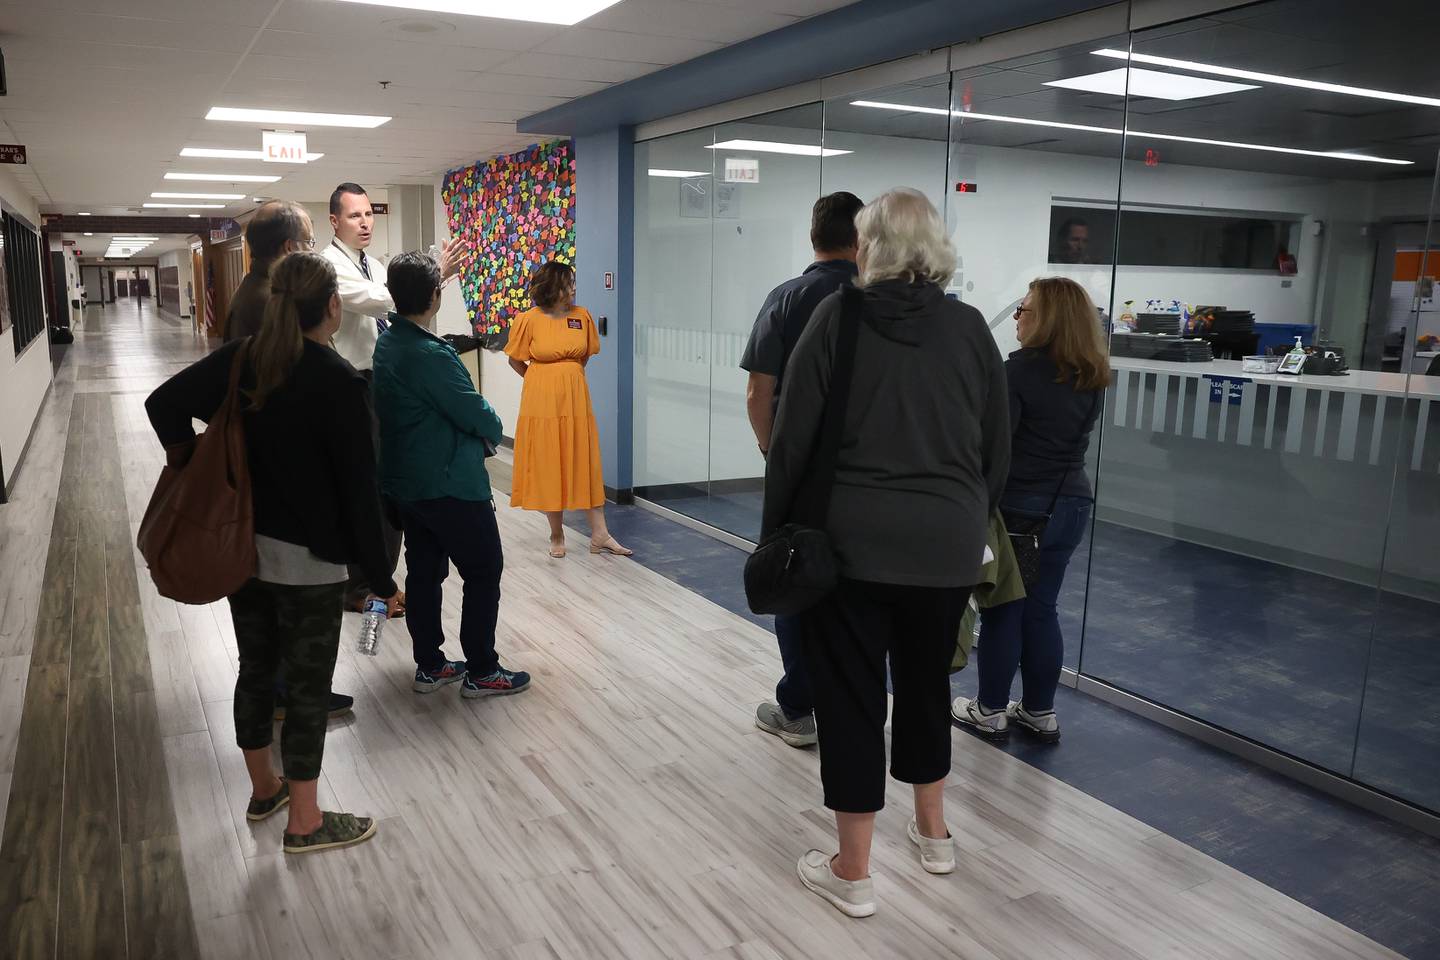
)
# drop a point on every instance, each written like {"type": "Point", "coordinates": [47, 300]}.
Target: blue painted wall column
{"type": "Point", "coordinates": [605, 243]}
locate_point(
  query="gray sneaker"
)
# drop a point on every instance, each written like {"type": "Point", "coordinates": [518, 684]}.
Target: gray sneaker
{"type": "Point", "coordinates": [854, 898]}
{"type": "Point", "coordinates": [979, 721]}
{"type": "Point", "coordinates": [1044, 727]}
{"type": "Point", "coordinates": [798, 733]}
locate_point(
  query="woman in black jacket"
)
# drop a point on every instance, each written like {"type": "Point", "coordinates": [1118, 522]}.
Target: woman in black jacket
{"type": "Point", "coordinates": [1057, 379]}
{"type": "Point", "coordinates": [317, 507]}
{"type": "Point", "coordinates": [922, 461]}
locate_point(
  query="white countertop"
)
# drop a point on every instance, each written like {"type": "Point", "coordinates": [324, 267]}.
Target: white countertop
{"type": "Point", "coordinates": [1356, 381]}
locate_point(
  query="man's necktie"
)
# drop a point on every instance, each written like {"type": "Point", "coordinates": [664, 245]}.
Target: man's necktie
{"type": "Point", "coordinates": [380, 325]}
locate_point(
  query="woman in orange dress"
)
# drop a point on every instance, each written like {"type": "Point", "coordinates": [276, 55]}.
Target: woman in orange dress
{"type": "Point", "coordinates": [557, 447]}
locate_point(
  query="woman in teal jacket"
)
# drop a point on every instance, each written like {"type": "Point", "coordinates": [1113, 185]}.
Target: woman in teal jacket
{"type": "Point", "coordinates": [435, 433]}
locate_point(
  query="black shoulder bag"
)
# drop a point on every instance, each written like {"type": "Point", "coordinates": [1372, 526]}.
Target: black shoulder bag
{"type": "Point", "coordinates": [794, 568]}
{"type": "Point", "coordinates": [1027, 529]}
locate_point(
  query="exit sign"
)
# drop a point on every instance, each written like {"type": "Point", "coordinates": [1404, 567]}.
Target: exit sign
{"type": "Point", "coordinates": [282, 146]}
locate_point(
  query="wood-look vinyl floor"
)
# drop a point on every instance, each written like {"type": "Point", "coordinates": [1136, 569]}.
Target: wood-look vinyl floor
{"type": "Point", "coordinates": [625, 807]}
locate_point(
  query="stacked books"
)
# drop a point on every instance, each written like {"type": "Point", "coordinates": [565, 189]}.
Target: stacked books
{"type": "Point", "coordinates": [1166, 323]}
{"type": "Point", "coordinates": [1155, 346]}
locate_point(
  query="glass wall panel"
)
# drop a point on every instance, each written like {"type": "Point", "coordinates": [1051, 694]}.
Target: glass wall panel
{"type": "Point", "coordinates": [673, 200]}
{"type": "Point", "coordinates": [1242, 517]}
{"type": "Point", "coordinates": [1032, 191]}
{"type": "Point", "coordinates": [767, 176]}
{"type": "Point", "coordinates": [1398, 748]}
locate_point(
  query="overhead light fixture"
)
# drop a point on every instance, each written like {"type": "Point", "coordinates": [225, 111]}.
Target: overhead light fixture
{"type": "Point", "coordinates": [195, 216]}
{"type": "Point", "coordinates": [679, 173]}
{"type": "Point", "coordinates": [1150, 83]}
{"type": "Point", "coordinates": [562, 12]}
{"type": "Point", "coordinates": [197, 196]}
{"type": "Point", "coordinates": [1272, 78]}
{"type": "Point", "coordinates": [186, 206]}
{"type": "Point", "coordinates": [82, 214]}
{"type": "Point", "coordinates": [770, 146]}
{"type": "Point", "coordinates": [89, 234]}
{"type": "Point", "coordinates": [217, 153]}
{"type": "Point", "coordinates": [1116, 131]}
{"type": "Point", "coordinates": [224, 177]}
{"type": "Point", "coordinates": [297, 118]}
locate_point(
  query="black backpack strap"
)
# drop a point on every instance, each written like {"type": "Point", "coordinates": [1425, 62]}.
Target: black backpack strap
{"type": "Point", "coordinates": [812, 501]}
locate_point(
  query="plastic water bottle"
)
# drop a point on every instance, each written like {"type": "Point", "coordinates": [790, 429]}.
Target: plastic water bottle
{"type": "Point", "coordinates": [372, 621]}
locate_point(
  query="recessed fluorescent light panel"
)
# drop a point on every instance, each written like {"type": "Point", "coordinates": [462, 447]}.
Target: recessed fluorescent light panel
{"type": "Point", "coordinates": [219, 153]}
{"type": "Point", "coordinates": [769, 146]}
{"type": "Point", "coordinates": [1150, 83]}
{"type": "Point", "coordinates": [679, 174]}
{"type": "Point", "coordinates": [563, 12]}
{"type": "Point", "coordinates": [82, 214]}
{"type": "Point", "coordinates": [197, 196]}
{"type": "Point", "coordinates": [1084, 128]}
{"type": "Point", "coordinates": [223, 177]}
{"type": "Point", "coordinates": [187, 206]}
{"type": "Point", "coordinates": [295, 117]}
{"type": "Point", "coordinates": [193, 215]}
{"type": "Point", "coordinates": [1271, 78]}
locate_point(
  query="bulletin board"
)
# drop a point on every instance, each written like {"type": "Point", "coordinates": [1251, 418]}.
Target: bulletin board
{"type": "Point", "coordinates": [516, 212]}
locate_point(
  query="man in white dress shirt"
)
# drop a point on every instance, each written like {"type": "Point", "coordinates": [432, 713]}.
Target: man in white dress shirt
{"type": "Point", "coordinates": [365, 303]}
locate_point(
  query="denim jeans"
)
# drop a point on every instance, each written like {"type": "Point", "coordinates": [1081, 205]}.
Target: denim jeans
{"type": "Point", "coordinates": [793, 690]}
{"type": "Point", "coordinates": [436, 533]}
{"type": "Point", "coordinates": [1025, 634]}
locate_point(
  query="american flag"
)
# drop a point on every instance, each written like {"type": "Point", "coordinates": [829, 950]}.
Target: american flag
{"type": "Point", "coordinates": [209, 296]}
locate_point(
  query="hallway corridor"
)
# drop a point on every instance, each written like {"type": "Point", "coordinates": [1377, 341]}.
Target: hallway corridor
{"type": "Point", "coordinates": [625, 808]}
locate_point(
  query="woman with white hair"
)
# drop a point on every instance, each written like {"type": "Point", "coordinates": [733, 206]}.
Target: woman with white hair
{"type": "Point", "coordinates": [923, 456]}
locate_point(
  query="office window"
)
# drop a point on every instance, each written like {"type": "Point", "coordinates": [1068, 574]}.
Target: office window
{"type": "Point", "coordinates": [1171, 238]}
{"type": "Point", "coordinates": [23, 279]}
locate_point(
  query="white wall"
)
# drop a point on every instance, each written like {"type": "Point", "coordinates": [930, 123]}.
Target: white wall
{"type": "Point", "coordinates": [23, 379]}
{"type": "Point", "coordinates": [181, 260]}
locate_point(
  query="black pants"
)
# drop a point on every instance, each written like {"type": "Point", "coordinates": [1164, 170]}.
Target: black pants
{"type": "Point", "coordinates": [847, 637]}
{"type": "Point", "coordinates": [437, 532]}
{"type": "Point", "coordinates": [357, 587]}
{"type": "Point", "coordinates": [297, 629]}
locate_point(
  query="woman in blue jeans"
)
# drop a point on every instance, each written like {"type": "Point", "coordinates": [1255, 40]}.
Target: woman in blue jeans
{"type": "Point", "coordinates": [1056, 382]}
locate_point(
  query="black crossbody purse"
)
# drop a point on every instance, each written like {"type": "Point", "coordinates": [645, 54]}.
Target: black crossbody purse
{"type": "Point", "coordinates": [1027, 529]}
{"type": "Point", "coordinates": [794, 567]}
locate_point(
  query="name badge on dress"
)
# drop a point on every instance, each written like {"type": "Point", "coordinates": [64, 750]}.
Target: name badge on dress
{"type": "Point", "coordinates": [574, 324]}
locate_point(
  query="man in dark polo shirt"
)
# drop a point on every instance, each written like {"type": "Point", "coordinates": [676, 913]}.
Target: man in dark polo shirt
{"type": "Point", "coordinates": [278, 227]}
{"type": "Point", "coordinates": [782, 319]}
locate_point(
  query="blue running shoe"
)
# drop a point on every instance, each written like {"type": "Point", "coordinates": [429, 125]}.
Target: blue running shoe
{"type": "Point", "coordinates": [498, 684]}
{"type": "Point", "coordinates": [428, 681]}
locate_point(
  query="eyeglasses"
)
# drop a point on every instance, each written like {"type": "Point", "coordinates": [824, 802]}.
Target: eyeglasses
{"type": "Point", "coordinates": [1021, 311]}
{"type": "Point", "coordinates": [309, 243]}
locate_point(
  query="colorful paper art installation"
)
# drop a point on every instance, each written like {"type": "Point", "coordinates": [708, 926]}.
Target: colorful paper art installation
{"type": "Point", "coordinates": [515, 212]}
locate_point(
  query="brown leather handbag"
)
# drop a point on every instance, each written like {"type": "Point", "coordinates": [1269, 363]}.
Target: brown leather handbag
{"type": "Point", "coordinates": [198, 534]}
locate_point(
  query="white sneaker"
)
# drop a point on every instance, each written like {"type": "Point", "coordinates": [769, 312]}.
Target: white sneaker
{"type": "Point", "coordinates": [854, 898]}
{"type": "Point", "coordinates": [936, 856]}
{"type": "Point", "coordinates": [1043, 726]}
{"type": "Point", "coordinates": [979, 721]}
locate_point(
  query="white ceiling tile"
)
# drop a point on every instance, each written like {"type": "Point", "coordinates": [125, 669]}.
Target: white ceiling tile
{"type": "Point", "coordinates": [618, 45]}
{"type": "Point", "coordinates": [695, 20]}
{"type": "Point", "coordinates": [576, 68]}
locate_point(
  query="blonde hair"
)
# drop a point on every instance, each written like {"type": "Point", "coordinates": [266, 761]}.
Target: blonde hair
{"type": "Point", "coordinates": [1067, 326]}
{"type": "Point", "coordinates": [301, 285]}
{"type": "Point", "coordinates": [902, 236]}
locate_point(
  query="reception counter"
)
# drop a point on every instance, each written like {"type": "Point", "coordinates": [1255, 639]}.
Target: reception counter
{"type": "Point", "coordinates": [1295, 470]}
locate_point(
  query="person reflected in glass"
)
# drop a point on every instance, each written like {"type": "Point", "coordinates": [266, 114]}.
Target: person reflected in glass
{"type": "Point", "coordinates": [1072, 242]}
{"type": "Point", "coordinates": [1056, 381]}
{"type": "Point", "coordinates": [557, 445]}
{"type": "Point", "coordinates": [922, 462]}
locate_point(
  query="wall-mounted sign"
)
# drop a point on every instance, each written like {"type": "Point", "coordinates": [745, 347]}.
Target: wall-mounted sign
{"type": "Point", "coordinates": [609, 280]}
{"type": "Point", "coordinates": [967, 186]}
{"type": "Point", "coordinates": [222, 230]}
{"type": "Point", "coordinates": [12, 153]}
{"type": "Point", "coordinates": [742, 170]}
{"type": "Point", "coordinates": [282, 146]}
{"type": "Point", "coordinates": [381, 209]}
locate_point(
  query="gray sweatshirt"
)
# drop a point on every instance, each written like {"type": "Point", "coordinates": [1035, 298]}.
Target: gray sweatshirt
{"type": "Point", "coordinates": [926, 445]}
